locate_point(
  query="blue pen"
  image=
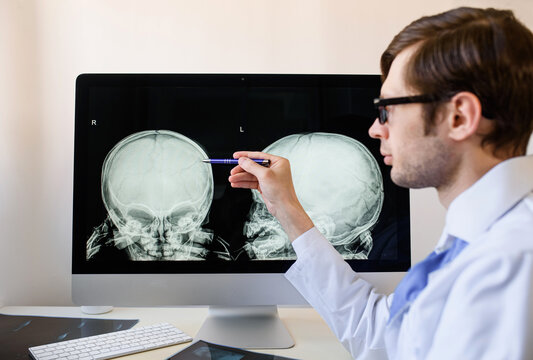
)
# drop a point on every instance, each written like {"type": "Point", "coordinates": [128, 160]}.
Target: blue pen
{"type": "Point", "coordinates": [263, 162]}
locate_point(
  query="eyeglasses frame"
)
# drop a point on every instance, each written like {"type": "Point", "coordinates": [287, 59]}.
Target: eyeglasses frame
{"type": "Point", "coordinates": [380, 103]}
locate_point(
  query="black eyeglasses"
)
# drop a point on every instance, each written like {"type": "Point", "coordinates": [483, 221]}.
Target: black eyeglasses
{"type": "Point", "coordinates": [381, 104]}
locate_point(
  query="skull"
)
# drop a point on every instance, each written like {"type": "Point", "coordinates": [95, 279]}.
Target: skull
{"type": "Point", "coordinates": [158, 192]}
{"type": "Point", "coordinates": [338, 183]}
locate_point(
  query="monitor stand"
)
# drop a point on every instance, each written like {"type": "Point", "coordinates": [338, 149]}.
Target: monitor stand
{"type": "Point", "coordinates": [250, 327]}
{"type": "Point", "coordinates": [95, 310]}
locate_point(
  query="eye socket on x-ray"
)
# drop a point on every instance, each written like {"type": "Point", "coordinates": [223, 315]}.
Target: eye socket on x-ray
{"type": "Point", "coordinates": [143, 217]}
{"type": "Point", "coordinates": [177, 216]}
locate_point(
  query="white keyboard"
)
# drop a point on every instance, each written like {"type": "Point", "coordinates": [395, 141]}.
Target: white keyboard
{"type": "Point", "coordinates": [114, 344]}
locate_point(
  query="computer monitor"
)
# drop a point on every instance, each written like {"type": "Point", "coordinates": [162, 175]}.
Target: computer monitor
{"type": "Point", "coordinates": [154, 225]}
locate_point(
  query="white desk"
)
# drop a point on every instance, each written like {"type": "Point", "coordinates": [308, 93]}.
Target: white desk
{"type": "Point", "coordinates": [313, 338]}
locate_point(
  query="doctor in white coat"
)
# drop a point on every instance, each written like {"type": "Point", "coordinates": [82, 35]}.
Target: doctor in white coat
{"type": "Point", "coordinates": [456, 114]}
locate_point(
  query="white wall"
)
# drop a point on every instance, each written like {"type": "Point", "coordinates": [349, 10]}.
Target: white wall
{"type": "Point", "coordinates": [44, 45]}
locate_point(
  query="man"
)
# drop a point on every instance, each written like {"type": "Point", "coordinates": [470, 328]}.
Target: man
{"type": "Point", "coordinates": [456, 114]}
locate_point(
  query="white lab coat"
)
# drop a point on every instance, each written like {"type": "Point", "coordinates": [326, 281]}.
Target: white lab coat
{"type": "Point", "coordinates": [479, 306]}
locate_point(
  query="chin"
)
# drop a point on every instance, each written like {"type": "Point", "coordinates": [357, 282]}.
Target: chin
{"type": "Point", "coordinates": [395, 177]}
{"type": "Point", "coordinates": [402, 179]}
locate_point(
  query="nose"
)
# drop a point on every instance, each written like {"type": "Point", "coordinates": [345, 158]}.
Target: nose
{"type": "Point", "coordinates": [161, 230]}
{"type": "Point", "coordinates": [378, 131]}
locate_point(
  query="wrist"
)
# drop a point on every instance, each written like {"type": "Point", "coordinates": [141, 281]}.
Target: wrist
{"type": "Point", "coordinates": [294, 220]}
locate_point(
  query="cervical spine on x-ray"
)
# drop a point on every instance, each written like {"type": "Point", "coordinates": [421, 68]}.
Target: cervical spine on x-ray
{"type": "Point", "coordinates": [157, 193]}
{"type": "Point", "coordinates": [340, 186]}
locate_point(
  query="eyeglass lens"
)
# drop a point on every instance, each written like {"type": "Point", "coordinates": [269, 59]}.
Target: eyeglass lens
{"type": "Point", "coordinates": [383, 115]}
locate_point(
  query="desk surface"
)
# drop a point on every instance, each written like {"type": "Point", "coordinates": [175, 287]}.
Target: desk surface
{"type": "Point", "coordinates": [313, 338]}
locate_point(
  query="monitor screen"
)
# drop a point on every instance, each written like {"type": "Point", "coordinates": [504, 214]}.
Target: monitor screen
{"type": "Point", "coordinates": [146, 203]}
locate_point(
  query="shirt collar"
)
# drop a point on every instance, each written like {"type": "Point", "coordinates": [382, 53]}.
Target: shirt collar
{"type": "Point", "coordinates": [479, 206]}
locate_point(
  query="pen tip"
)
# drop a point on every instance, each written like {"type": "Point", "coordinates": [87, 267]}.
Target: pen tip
{"type": "Point", "coordinates": [205, 160]}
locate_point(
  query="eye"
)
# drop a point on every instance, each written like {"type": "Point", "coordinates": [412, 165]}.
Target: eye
{"type": "Point", "coordinates": [187, 214]}
{"type": "Point", "coordinates": [144, 218]}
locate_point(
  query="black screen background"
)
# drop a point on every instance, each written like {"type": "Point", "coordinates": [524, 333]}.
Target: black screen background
{"type": "Point", "coordinates": [224, 113]}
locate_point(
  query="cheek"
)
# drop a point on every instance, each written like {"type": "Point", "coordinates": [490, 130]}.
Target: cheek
{"type": "Point", "coordinates": [406, 138]}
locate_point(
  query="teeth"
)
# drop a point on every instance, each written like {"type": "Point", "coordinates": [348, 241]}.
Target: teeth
{"type": "Point", "coordinates": [168, 253]}
{"type": "Point", "coordinates": [171, 246]}
{"type": "Point", "coordinates": [145, 241]}
{"type": "Point", "coordinates": [157, 254]}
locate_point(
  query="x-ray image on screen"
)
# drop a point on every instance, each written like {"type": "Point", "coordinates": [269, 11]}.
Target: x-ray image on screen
{"type": "Point", "coordinates": [146, 203]}
{"type": "Point", "coordinates": [339, 184]}
{"type": "Point", "coordinates": [157, 193]}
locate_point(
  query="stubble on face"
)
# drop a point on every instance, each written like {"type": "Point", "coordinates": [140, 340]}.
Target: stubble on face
{"type": "Point", "coordinates": [429, 163]}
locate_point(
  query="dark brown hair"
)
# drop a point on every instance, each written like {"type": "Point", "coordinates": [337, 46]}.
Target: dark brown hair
{"type": "Point", "coordinates": [487, 52]}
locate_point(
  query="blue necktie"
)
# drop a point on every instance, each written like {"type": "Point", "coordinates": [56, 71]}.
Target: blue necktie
{"type": "Point", "coordinates": [416, 278]}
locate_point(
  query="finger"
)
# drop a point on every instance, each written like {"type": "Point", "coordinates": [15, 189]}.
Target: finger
{"type": "Point", "coordinates": [254, 155]}
{"type": "Point", "coordinates": [252, 167]}
{"type": "Point", "coordinates": [245, 185]}
{"type": "Point", "coordinates": [243, 176]}
{"type": "Point", "coordinates": [236, 170]}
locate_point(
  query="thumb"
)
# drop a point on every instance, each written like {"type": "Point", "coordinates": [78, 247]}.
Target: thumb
{"type": "Point", "coordinates": [251, 167]}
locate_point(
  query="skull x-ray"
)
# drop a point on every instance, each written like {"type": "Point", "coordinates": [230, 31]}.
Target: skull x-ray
{"type": "Point", "coordinates": [339, 184]}
{"type": "Point", "coordinates": [145, 202]}
{"type": "Point", "coordinates": [157, 193]}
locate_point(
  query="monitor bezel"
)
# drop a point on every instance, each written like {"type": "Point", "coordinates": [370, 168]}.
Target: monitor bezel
{"type": "Point", "coordinates": [85, 81]}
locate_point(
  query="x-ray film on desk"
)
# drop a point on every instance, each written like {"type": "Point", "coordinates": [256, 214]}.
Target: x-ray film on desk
{"type": "Point", "coordinates": [145, 201]}
{"type": "Point", "coordinates": [202, 350]}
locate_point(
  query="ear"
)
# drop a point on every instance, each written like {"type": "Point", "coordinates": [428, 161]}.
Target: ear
{"type": "Point", "coordinates": [464, 116]}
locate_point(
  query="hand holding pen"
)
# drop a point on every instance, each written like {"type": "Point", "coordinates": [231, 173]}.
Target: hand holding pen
{"type": "Point", "coordinates": [275, 185]}
{"type": "Point", "coordinates": [263, 162]}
